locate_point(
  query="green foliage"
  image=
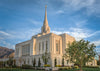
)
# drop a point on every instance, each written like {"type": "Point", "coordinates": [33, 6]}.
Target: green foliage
{"type": "Point", "coordinates": [46, 65]}
{"type": "Point", "coordinates": [76, 67]}
{"type": "Point", "coordinates": [98, 62]}
{"type": "Point", "coordinates": [58, 65]}
{"type": "Point", "coordinates": [45, 57]}
{"type": "Point", "coordinates": [80, 52]}
{"type": "Point", "coordinates": [65, 68]}
{"type": "Point", "coordinates": [34, 62]}
{"type": "Point", "coordinates": [26, 66]}
{"type": "Point", "coordinates": [39, 63]}
{"type": "Point", "coordinates": [91, 66]}
{"type": "Point", "coordinates": [16, 69]}
{"type": "Point", "coordinates": [1, 64]}
{"type": "Point", "coordinates": [10, 62]}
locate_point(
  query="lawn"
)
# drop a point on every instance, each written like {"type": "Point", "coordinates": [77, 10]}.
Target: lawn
{"type": "Point", "coordinates": [84, 69]}
{"type": "Point", "coordinates": [19, 70]}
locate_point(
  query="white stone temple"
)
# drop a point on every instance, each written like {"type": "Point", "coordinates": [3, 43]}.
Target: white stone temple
{"type": "Point", "coordinates": [46, 41]}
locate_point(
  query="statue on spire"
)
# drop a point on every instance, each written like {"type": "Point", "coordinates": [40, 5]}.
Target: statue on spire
{"type": "Point", "coordinates": [45, 28]}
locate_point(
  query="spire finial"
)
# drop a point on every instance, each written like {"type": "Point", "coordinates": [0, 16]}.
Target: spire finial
{"type": "Point", "coordinates": [45, 19]}
{"type": "Point", "coordinates": [45, 6]}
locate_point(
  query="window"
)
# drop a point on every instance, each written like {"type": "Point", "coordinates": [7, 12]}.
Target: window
{"type": "Point", "coordinates": [26, 49]}
{"type": "Point", "coordinates": [39, 46]}
{"type": "Point", "coordinates": [42, 46]}
{"type": "Point", "coordinates": [56, 46]}
{"type": "Point", "coordinates": [17, 51]}
{"type": "Point", "coordinates": [67, 61]}
{"type": "Point", "coordinates": [46, 45]}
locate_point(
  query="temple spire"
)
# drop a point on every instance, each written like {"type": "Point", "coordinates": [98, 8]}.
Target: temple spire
{"type": "Point", "coordinates": [45, 18]}
{"type": "Point", "coordinates": [45, 28]}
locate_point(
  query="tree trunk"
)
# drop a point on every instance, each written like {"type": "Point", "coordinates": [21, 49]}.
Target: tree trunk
{"type": "Point", "coordinates": [80, 68]}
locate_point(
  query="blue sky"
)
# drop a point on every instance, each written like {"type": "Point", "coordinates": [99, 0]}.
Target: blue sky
{"type": "Point", "coordinates": [21, 19]}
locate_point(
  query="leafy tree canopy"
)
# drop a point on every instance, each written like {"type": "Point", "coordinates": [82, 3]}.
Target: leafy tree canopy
{"type": "Point", "coordinates": [80, 52]}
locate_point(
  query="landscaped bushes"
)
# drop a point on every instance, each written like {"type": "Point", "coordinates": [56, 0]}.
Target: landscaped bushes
{"type": "Point", "coordinates": [76, 67]}
{"type": "Point", "coordinates": [91, 66]}
{"type": "Point", "coordinates": [58, 65]}
{"type": "Point", "coordinates": [65, 68]}
{"type": "Point", "coordinates": [26, 66]}
{"type": "Point", "coordinates": [46, 65]}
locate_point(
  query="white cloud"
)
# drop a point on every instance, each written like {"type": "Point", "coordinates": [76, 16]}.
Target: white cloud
{"type": "Point", "coordinates": [26, 34]}
{"type": "Point", "coordinates": [20, 35]}
{"type": "Point", "coordinates": [91, 7]}
{"type": "Point", "coordinates": [75, 33]}
{"type": "Point", "coordinates": [98, 50]}
{"type": "Point", "coordinates": [78, 33]}
{"type": "Point", "coordinates": [97, 43]}
{"type": "Point", "coordinates": [59, 12]}
{"type": "Point", "coordinates": [34, 22]}
{"type": "Point", "coordinates": [6, 44]}
{"type": "Point", "coordinates": [4, 33]}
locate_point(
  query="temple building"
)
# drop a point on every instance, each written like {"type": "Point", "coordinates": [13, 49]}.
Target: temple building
{"type": "Point", "coordinates": [54, 45]}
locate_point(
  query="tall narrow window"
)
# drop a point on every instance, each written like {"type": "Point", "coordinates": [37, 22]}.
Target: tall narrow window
{"type": "Point", "coordinates": [56, 46]}
{"type": "Point", "coordinates": [67, 61]}
{"type": "Point", "coordinates": [46, 45]}
{"type": "Point", "coordinates": [39, 46]}
{"type": "Point", "coordinates": [42, 46]}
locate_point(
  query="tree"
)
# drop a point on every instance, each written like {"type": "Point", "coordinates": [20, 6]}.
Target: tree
{"type": "Point", "coordinates": [10, 62]}
{"type": "Point", "coordinates": [80, 52]}
{"type": "Point", "coordinates": [45, 57]}
{"type": "Point", "coordinates": [98, 62]}
{"type": "Point", "coordinates": [20, 60]}
{"type": "Point", "coordinates": [63, 62]}
{"type": "Point", "coordinates": [55, 62]}
{"type": "Point", "coordinates": [14, 62]}
{"type": "Point", "coordinates": [39, 63]}
{"type": "Point", "coordinates": [34, 62]}
{"type": "Point", "coordinates": [1, 64]}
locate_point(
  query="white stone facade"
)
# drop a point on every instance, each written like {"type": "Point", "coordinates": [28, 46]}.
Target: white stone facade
{"type": "Point", "coordinates": [27, 51]}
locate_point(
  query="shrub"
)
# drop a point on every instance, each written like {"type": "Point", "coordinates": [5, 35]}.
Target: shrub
{"type": "Point", "coordinates": [26, 66]}
{"type": "Point", "coordinates": [91, 66]}
{"type": "Point", "coordinates": [58, 65]}
{"type": "Point", "coordinates": [65, 68]}
{"type": "Point", "coordinates": [14, 66]}
{"type": "Point", "coordinates": [70, 67]}
{"type": "Point", "coordinates": [76, 67]}
{"type": "Point", "coordinates": [46, 65]}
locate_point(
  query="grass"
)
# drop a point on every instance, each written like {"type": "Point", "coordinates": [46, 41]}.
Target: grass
{"type": "Point", "coordinates": [14, 69]}
{"type": "Point", "coordinates": [84, 69]}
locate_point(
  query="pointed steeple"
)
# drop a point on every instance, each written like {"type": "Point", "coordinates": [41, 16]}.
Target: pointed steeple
{"type": "Point", "coordinates": [45, 18]}
{"type": "Point", "coordinates": [45, 28]}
